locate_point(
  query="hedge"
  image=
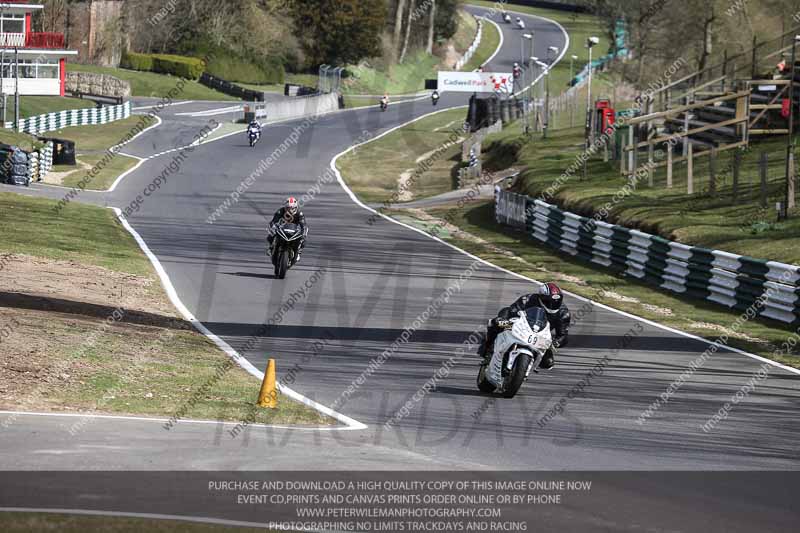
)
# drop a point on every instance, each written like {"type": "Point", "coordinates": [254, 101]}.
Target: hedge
{"type": "Point", "coordinates": [243, 70]}
{"type": "Point", "coordinates": [184, 67]}
{"type": "Point", "coordinates": [134, 61]}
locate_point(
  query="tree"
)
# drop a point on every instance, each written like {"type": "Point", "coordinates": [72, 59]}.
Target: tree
{"type": "Point", "coordinates": [408, 30]}
{"type": "Point", "coordinates": [431, 27]}
{"type": "Point", "coordinates": [398, 25]}
{"type": "Point", "coordinates": [338, 32]}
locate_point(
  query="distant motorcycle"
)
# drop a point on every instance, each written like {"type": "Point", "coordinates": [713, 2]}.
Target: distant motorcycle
{"type": "Point", "coordinates": [254, 137]}
{"type": "Point", "coordinates": [435, 97]}
{"type": "Point", "coordinates": [516, 351]}
{"type": "Point", "coordinates": [284, 248]}
{"type": "Point", "coordinates": [520, 23]}
{"type": "Point", "coordinates": [506, 18]}
{"type": "Point", "coordinates": [384, 105]}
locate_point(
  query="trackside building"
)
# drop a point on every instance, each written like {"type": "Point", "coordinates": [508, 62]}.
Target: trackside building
{"type": "Point", "coordinates": [42, 56]}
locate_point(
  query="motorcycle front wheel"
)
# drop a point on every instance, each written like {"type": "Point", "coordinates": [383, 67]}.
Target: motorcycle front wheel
{"type": "Point", "coordinates": [282, 264]}
{"type": "Point", "coordinates": [516, 377]}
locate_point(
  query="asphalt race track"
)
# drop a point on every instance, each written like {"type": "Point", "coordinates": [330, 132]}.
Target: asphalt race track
{"type": "Point", "coordinates": [377, 279]}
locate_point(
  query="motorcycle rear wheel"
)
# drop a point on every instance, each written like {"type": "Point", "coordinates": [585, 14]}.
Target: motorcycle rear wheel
{"type": "Point", "coordinates": [483, 384]}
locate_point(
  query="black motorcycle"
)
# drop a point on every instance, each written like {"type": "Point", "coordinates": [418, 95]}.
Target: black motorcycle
{"type": "Point", "coordinates": [384, 106]}
{"type": "Point", "coordinates": [284, 248]}
{"type": "Point", "coordinates": [435, 98]}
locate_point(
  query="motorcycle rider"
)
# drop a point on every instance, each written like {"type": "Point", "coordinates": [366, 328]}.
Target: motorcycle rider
{"type": "Point", "coordinates": [435, 97]}
{"type": "Point", "coordinates": [520, 23]}
{"type": "Point", "coordinates": [254, 127]}
{"type": "Point", "coordinates": [289, 214]}
{"type": "Point", "coordinates": [550, 298]}
{"type": "Point", "coordinates": [385, 101]}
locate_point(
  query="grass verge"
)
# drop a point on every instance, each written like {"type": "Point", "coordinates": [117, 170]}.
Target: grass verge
{"type": "Point", "coordinates": [490, 40]}
{"type": "Point", "coordinates": [30, 106]}
{"type": "Point", "coordinates": [150, 84]}
{"type": "Point", "coordinates": [101, 137]}
{"type": "Point", "coordinates": [64, 523]}
{"type": "Point", "coordinates": [425, 147]}
{"type": "Point", "coordinates": [107, 174]}
{"type": "Point", "coordinates": [23, 140]}
{"type": "Point", "coordinates": [91, 330]}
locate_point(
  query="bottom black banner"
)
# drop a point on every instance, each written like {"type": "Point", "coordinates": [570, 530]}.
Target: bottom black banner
{"type": "Point", "coordinates": [428, 501]}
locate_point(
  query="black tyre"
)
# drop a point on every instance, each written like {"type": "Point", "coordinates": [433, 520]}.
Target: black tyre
{"type": "Point", "coordinates": [483, 384]}
{"type": "Point", "coordinates": [516, 377]}
{"type": "Point", "coordinates": [282, 265]}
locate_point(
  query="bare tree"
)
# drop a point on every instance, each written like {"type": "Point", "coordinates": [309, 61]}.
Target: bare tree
{"type": "Point", "coordinates": [431, 27]}
{"type": "Point", "coordinates": [398, 25]}
{"type": "Point", "coordinates": [409, 22]}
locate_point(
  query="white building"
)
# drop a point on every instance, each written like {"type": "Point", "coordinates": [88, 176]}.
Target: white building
{"type": "Point", "coordinates": [42, 56]}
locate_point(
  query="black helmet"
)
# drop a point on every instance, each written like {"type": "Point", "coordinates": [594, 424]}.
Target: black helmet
{"type": "Point", "coordinates": [550, 297]}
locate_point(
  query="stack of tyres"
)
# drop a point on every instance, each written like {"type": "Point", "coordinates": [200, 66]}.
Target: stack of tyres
{"type": "Point", "coordinates": [15, 167]}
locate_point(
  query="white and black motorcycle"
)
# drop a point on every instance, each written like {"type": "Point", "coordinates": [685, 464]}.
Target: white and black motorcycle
{"type": "Point", "coordinates": [517, 350]}
{"type": "Point", "coordinates": [253, 136]}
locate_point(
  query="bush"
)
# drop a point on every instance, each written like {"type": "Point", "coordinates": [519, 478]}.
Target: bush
{"type": "Point", "coordinates": [228, 65]}
{"type": "Point", "coordinates": [134, 61]}
{"type": "Point", "coordinates": [189, 68]}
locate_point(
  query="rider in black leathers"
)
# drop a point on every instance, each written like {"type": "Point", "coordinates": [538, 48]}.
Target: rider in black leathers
{"type": "Point", "coordinates": [289, 214]}
{"type": "Point", "coordinates": [550, 298]}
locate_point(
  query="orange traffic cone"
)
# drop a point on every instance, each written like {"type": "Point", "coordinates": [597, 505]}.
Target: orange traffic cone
{"type": "Point", "coordinates": [268, 396]}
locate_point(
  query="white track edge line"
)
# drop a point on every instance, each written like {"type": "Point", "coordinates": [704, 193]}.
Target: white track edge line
{"type": "Point", "coordinates": [189, 421]}
{"type": "Point", "coordinates": [350, 423]}
{"type": "Point", "coordinates": [184, 102]}
{"type": "Point", "coordinates": [520, 276]}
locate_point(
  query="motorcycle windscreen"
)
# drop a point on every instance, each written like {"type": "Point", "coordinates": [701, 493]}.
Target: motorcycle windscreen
{"type": "Point", "coordinates": [291, 231]}
{"type": "Point", "coordinates": [537, 318]}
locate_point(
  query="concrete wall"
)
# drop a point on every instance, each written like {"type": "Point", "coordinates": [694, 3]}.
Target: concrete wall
{"type": "Point", "coordinates": [301, 107]}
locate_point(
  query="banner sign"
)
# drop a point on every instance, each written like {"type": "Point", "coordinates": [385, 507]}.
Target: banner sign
{"type": "Point", "coordinates": [476, 82]}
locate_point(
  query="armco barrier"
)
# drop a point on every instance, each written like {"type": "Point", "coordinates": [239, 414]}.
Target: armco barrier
{"type": "Point", "coordinates": [73, 117]}
{"type": "Point", "coordinates": [231, 89]}
{"type": "Point", "coordinates": [734, 281]}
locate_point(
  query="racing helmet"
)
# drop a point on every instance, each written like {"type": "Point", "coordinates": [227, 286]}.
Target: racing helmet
{"type": "Point", "coordinates": [291, 205]}
{"type": "Point", "coordinates": [550, 297]}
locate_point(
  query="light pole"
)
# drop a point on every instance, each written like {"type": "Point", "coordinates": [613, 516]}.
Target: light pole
{"type": "Point", "coordinates": [545, 111]}
{"type": "Point", "coordinates": [529, 38]}
{"type": "Point", "coordinates": [554, 50]}
{"type": "Point", "coordinates": [590, 43]}
{"type": "Point", "coordinates": [789, 199]}
{"type": "Point", "coordinates": [572, 60]}
{"type": "Point", "coordinates": [534, 62]}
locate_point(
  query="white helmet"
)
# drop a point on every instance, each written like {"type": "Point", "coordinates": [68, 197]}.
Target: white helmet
{"type": "Point", "coordinates": [291, 205]}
